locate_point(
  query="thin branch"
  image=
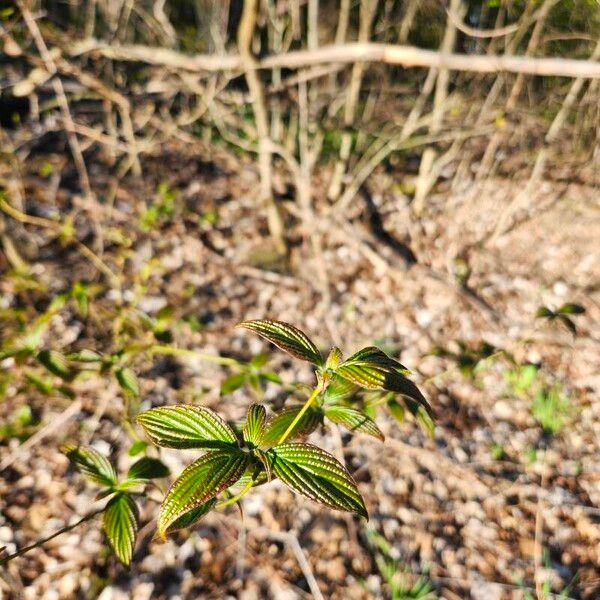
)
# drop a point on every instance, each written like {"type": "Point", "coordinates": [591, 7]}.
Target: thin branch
{"type": "Point", "coordinates": [407, 56]}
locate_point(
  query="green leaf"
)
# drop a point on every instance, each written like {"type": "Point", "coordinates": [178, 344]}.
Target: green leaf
{"type": "Point", "coordinates": [373, 369]}
{"type": "Point", "coordinates": [192, 516]}
{"type": "Point", "coordinates": [543, 312]}
{"type": "Point", "coordinates": [120, 524]}
{"type": "Point", "coordinates": [260, 360]}
{"type": "Point", "coordinates": [137, 447]}
{"type": "Point", "coordinates": [287, 338]}
{"type": "Point", "coordinates": [185, 426]}
{"type": "Point", "coordinates": [568, 323]}
{"type": "Point", "coordinates": [334, 358]}
{"type": "Point", "coordinates": [270, 376]}
{"type": "Point", "coordinates": [148, 468]}
{"type": "Point", "coordinates": [396, 409]}
{"type": "Point", "coordinates": [353, 420]}
{"type": "Point", "coordinates": [128, 381]}
{"type": "Point", "coordinates": [421, 416]}
{"type": "Point", "coordinates": [317, 475]}
{"type": "Point", "coordinates": [339, 390]}
{"type": "Point", "coordinates": [570, 308]}
{"type": "Point", "coordinates": [201, 481]}
{"type": "Point", "coordinates": [85, 356]}
{"type": "Point", "coordinates": [56, 363]}
{"type": "Point", "coordinates": [92, 464]}
{"type": "Point", "coordinates": [255, 424]}
{"type": "Point", "coordinates": [232, 383]}
{"type": "Point", "coordinates": [278, 424]}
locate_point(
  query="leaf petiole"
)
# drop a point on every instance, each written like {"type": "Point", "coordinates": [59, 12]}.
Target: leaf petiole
{"type": "Point", "coordinates": [300, 414]}
{"type": "Point", "coordinates": [235, 498]}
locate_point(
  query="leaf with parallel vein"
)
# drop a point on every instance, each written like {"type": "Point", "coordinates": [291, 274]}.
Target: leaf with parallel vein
{"type": "Point", "coordinates": [286, 337]}
{"type": "Point", "coordinates": [278, 424]}
{"type": "Point", "coordinates": [120, 523]}
{"type": "Point", "coordinates": [192, 516]}
{"type": "Point", "coordinates": [95, 466]}
{"type": "Point", "coordinates": [371, 368]}
{"type": "Point", "coordinates": [185, 426]}
{"type": "Point", "coordinates": [353, 420]}
{"type": "Point", "coordinates": [316, 474]}
{"type": "Point", "coordinates": [255, 424]}
{"type": "Point", "coordinates": [199, 482]}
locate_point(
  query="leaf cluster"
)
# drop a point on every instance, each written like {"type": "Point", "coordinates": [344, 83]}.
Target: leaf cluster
{"type": "Point", "coordinates": [120, 515]}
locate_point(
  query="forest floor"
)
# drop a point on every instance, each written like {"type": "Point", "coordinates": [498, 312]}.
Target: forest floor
{"type": "Point", "coordinates": [493, 507]}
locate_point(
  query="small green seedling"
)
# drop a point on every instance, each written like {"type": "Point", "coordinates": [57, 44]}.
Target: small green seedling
{"type": "Point", "coordinates": [120, 515]}
{"type": "Point", "coordinates": [562, 314]}
{"type": "Point", "coordinates": [551, 409]}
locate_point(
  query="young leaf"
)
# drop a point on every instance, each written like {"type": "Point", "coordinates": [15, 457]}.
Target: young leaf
{"type": "Point", "coordinates": [85, 355]}
{"type": "Point", "coordinates": [92, 464]}
{"type": "Point", "coordinates": [353, 420]}
{"type": "Point", "coordinates": [421, 416]}
{"type": "Point", "coordinates": [568, 323]}
{"type": "Point", "coordinates": [232, 383]}
{"type": "Point", "coordinates": [148, 468]}
{"type": "Point", "coordinates": [278, 424]}
{"type": "Point", "coordinates": [287, 338]}
{"type": "Point", "coordinates": [396, 409]}
{"type": "Point", "coordinates": [339, 390]}
{"type": "Point", "coordinates": [56, 363]}
{"type": "Point", "coordinates": [192, 516]}
{"type": "Point", "coordinates": [185, 426]}
{"type": "Point", "coordinates": [255, 424]}
{"type": "Point", "coordinates": [373, 369]}
{"type": "Point", "coordinates": [570, 308]}
{"type": "Point", "coordinates": [120, 524]}
{"type": "Point", "coordinates": [334, 358]}
{"type": "Point", "coordinates": [128, 381]}
{"type": "Point", "coordinates": [543, 312]}
{"type": "Point", "coordinates": [317, 475]}
{"type": "Point", "coordinates": [199, 482]}
{"type": "Point", "coordinates": [137, 447]}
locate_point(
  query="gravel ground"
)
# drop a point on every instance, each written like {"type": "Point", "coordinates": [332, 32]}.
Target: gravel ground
{"type": "Point", "coordinates": [489, 509]}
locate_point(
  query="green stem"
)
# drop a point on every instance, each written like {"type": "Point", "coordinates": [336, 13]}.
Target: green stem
{"type": "Point", "coordinates": [218, 360]}
{"type": "Point", "coordinates": [43, 541]}
{"type": "Point", "coordinates": [306, 406]}
{"type": "Point", "coordinates": [235, 498]}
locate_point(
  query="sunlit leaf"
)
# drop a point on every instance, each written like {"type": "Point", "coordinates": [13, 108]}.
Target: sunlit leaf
{"type": "Point", "coordinates": [317, 475]}
{"type": "Point", "coordinates": [278, 424]}
{"type": "Point", "coordinates": [334, 358]}
{"type": "Point", "coordinates": [121, 525]}
{"type": "Point", "coordinates": [92, 464]}
{"type": "Point", "coordinates": [128, 381]}
{"type": "Point", "coordinates": [286, 337]}
{"type": "Point", "coordinates": [353, 420]}
{"type": "Point", "coordinates": [199, 482]}
{"type": "Point", "coordinates": [186, 427]}
{"type": "Point", "coordinates": [56, 363]}
{"type": "Point", "coordinates": [255, 424]}
{"type": "Point", "coordinates": [192, 516]}
{"type": "Point", "coordinates": [85, 355]}
{"type": "Point", "coordinates": [373, 369]}
{"type": "Point", "coordinates": [339, 390]}
{"type": "Point", "coordinates": [148, 468]}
